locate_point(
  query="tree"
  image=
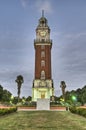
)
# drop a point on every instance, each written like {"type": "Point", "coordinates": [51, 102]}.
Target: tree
{"type": "Point", "coordinates": [1, 92]}
{"type": "Point", "coordinates": [63, 86]}
{"type": "Point", "coordinates": [83, 98]}
{"type": "Point", "coordinates": [6, 96]}
{"type": "Point", "coordinates": [29, 98]}
{"type": "Point", "coordinates": [15, 100]}
{"type": "Point", "coordinates": [19, 80]}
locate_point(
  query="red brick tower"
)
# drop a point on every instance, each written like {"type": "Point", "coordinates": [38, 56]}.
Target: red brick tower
{"type": "Point", "coordinates": [43, 83]}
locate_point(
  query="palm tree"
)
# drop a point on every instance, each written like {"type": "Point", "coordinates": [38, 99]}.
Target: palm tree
{"type": "Point", "coordinates": [19, 80]}
{"type": "Point", "coordinates": [63, 86]}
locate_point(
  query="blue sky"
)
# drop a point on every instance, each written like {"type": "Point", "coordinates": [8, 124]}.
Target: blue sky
{"type": "Point", "coordinates": [18, 21]}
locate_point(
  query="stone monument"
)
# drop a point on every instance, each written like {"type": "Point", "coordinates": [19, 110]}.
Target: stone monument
{"type": "Point", "coordinates": [43, 104]}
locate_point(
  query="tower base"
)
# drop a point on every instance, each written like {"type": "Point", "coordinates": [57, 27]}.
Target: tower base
{"type": "Point", "coordinates": [42, 89]}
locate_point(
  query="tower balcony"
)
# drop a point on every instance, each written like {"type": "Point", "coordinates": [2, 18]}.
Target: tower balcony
{"type": "Point", "coordinates": [42, 41]}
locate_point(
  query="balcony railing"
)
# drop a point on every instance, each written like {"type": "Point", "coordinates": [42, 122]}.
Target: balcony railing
{"type": "Point", "coordinates": [42, 41]}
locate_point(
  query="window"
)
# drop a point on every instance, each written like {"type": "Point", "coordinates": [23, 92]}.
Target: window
{"type": "Point", "coordinates": [42, 63]}
{"type": "Point", "coordinates": [42, 74]}
{"type": "Point", "coordinates": [42, 54]}
{"type": "Point", "coordinates": [42, 46]}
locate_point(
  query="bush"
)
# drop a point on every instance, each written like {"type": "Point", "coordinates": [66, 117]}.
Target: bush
{"type": "Point", "coordinates": [79, 111]}
{"type": "Point", "coordinates": [72, 109]}
{"type": "Point", "coordinates": [26, 104]}
{"type": "Point", "coordinates": [5, 111]}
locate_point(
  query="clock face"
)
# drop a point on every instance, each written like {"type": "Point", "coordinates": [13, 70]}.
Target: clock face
{"type": "Point", "coordinates": [43, 33]}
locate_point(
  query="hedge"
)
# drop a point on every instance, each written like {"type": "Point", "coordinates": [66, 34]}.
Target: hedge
{"type": "Point", "coordinates": [79, 111]}
{"type": "Point", "coordinates": [4, 111]}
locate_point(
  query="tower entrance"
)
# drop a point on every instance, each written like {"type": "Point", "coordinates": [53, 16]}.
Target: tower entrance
{"type": "Point", "coordinates": [42, 95]}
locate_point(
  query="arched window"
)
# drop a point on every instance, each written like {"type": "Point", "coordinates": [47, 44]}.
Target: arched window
{"type": "Point", "coordinates": [42, 63]}
{"type": "Point", "coordinates": [42, 54]}
{"type": "Point", "coordinates": [42, 46]}
{"type": "Point", "coordinates": [42, 74]}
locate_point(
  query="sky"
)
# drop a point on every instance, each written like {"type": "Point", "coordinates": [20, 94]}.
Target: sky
{"type": "Point", "coordinates": [18, 21]}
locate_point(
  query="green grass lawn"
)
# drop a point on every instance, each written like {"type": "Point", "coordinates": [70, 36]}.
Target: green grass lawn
{"type": "Point", "coordinates": [42, 120]}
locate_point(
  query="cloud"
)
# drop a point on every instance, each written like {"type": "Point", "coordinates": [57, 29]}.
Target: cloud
{"type": "Point", "coordinates": [75, 36]}
{"type": "Point", "coordinates": [39, 5]}
{"type": "Point", "coordinates": [69, 35]}
{"type": "Point", "coordinates": [24, 3]}
{"type": "Point", "coordinates": [8, 76]}
{"type": "Point", "coordinates": [73, 51]}
{"type": "Point", "coordinates": [44, 5]}
{"type": "Point", "coordinates": [69, 59]}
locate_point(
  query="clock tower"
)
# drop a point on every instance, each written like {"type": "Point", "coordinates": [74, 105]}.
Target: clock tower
{"type": "Point", "coordinates": [42, 83]}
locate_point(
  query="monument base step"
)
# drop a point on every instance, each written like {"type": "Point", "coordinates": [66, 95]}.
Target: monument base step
{"type": "Point", "coordinates": [43, 104]}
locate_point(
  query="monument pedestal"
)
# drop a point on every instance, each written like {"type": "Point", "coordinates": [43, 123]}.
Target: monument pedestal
{"type": "Point", "coordinates": [43, 104]}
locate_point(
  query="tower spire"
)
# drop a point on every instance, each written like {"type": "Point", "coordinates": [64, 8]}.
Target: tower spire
{"type": "Point", "coordinates": [42, 13]}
